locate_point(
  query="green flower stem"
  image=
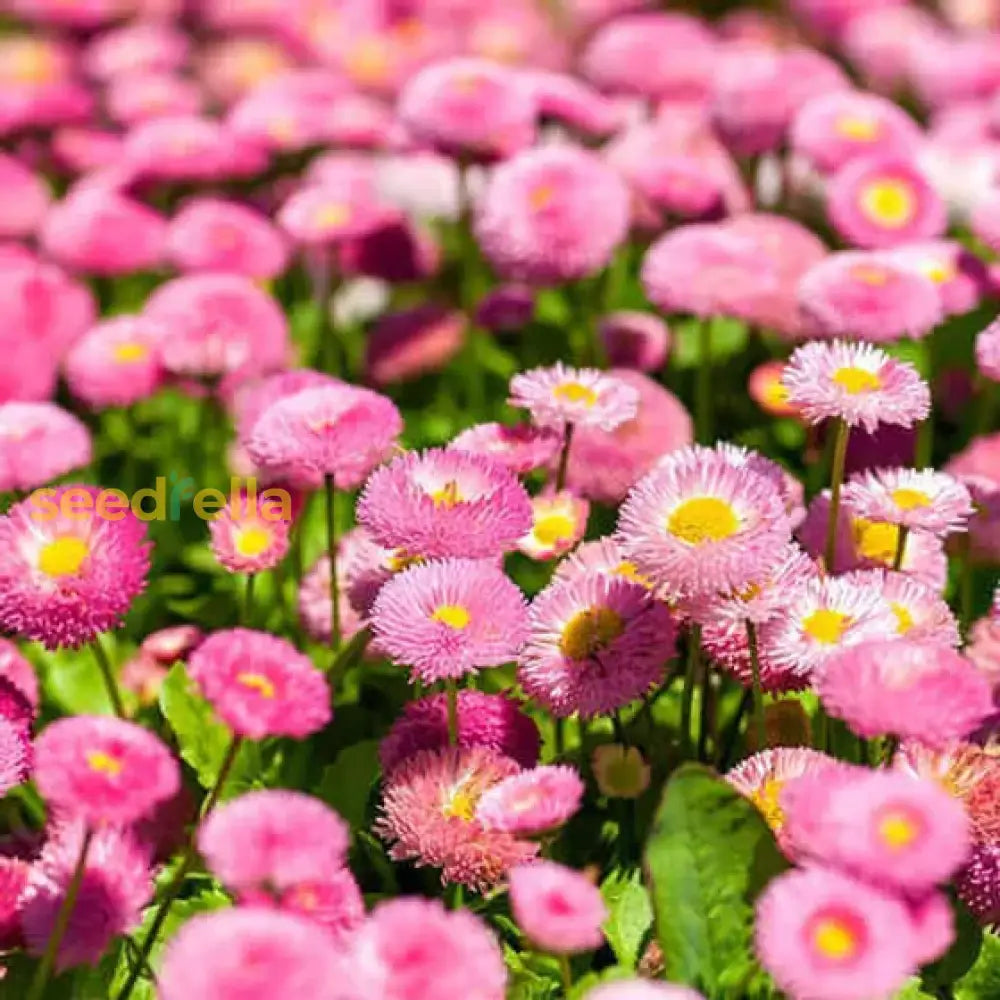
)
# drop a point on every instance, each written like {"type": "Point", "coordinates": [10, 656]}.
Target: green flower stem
{"type": "Point", "coordinates": [108, 674]}
{"type": "Point", "coordinates": [897, 562]}
{"type": "Point", "coordinates": [690, 678]}
{"type": "Point", "coordinates": [703, 386]}
{"type": "Point", "coordinates": [331, 548]}
{"type": "Point", "coordinates": [758, 689]}
{"type": "Point", "coordinates": [842, 435]}
{"type": "Point", "coordinates": [451, 689]}
{"type": "Point", "coordinates": [247, 615]}
{"type": "Point", "coordinates": [564, 457]}
{"type": "Point", "coordinates": [567, 974]}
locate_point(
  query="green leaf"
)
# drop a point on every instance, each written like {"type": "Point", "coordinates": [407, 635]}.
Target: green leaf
{"type": "Point", "coordinates": [72, 680]}
{"type": "Point", "coordinates": [346, 784]}
{"type": "Point", "coordinates": [708, 855]}
{"type": "Point", "coordinates": [531, 976]}
{"type": "Point", "coordinates": [912, 991]}
{"type": "Point", "coordinates": [630, 916]}
{"type": "Point", "coordinates": [982, 981]}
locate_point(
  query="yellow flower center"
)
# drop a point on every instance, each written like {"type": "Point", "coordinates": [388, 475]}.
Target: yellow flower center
{"type": "Point", "coordinates": [775, 392]}
{"type": "Point", "coordinates": [898, 830]}
{"type": "Point", "coordinates": [904, 620]}
{"type": "Point", "coordinates": [401, 559]}
{"type": "Point", "coordinates": [554, 528]}
{"type": "Point", "coordinates": [333, 215]}
{"type": "Point", "coordinates": [767, 799]}
{"type": "Point", "coordinates": [835, 938]}
{"type": "Point", "coordinates": [871, 274]}
{"type": "Point", "coordinates": [939, 271]}
{"type": "Point", "coordinates": [826, 625]}
{"type": "Point", "coordinates": [857, 128]}
{"type": "Point", "coordinates": [908, 499]}
{"type": "Point", "coordinates": [461, 804]}
{"type": "Point", "coordinates": [257, 682]}
{"type": "Point", "coordinates": [63, 556]}
{"type": "Point", "coordinates": [630, 571]}
{"type": "Point", "coordinates": [589, 631]}
{"type": "Point", "coordinates": [703, 519]}
{"type": "Point", "coordinates": [33, 64]}
{"type": "Point", "coordinates": [890, 203]}
{"type": "Point", "coordinates": [126, 354]}
{"type": "Point", "coordinates": [574, 392]}
{"type": "Point", "coordinates": [541, 197]}
{"type": "Point", "coordinates": [875, 540]}
{"type": "Point", "coordinates": [448, 496]}
{"type": "Point", "coordinates": [252, 542]}
{"type": "Point", "coordinates": [452, 615]}
{"type": "Point", "coordinates": [104, 763]}
{"type": "Point", "coordinates": [857, 380]}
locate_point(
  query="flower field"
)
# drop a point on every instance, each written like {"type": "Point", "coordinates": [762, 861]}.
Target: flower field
{"type": "Point", "coordinates": [499, 500]}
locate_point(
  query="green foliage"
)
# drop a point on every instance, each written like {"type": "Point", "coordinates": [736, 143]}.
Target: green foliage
{"type": "Point", "coordinates": [346, 784]}
{"type": "Point", "coordinates": [982, 981]}
{"type": "Point", "coordinates": [630, 916]}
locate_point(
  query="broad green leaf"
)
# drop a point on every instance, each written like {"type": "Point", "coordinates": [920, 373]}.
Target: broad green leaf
{"type": "Point", "coordinates": [630, 916]}
{"type": "Point", "coordinates": [982, 981]}
{"type": "Point", "coordinates": [708, 855]}
{"type": "Point", "coordinates": [531, 976]}
{"type": "Point", "coordinates": [347, 783]}
{"type": "Point", "coordinates": [72, 680]}
{"type": "Point", "coordinates": [912, 991]}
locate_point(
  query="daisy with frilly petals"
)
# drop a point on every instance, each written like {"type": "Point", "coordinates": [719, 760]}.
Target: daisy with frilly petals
{"type": "Point", "coordinates": [918, 500]}
{"type": "Point", "coordinates": [583, 397]}
{"type": "Point", "coordinates": [333, 901]}
{"type": "Point", "coordinates": [429, 816]}
{"type": "Point", "coordinates": [445, 619]}
{"type": "Point", "coordinates": [521, 448]}
{"type": "Point", "coordinates": [988, 351]}
{"type": "Point", "coordinates": [445, 503]}
{"type": "Point", "coordinates": [603, 556]}
{"type": "Point", "coordinates": [922, 614]}
{"type": "Point", "coordinates": [961, 769]}
{"type": "Point", "coordinates": [960, 277]}
{"type": "Point", "coordinates": [907, 689]}
{"type": "Point", "coordinates": [559, 909]}
{"type": "Point", "coordinates": [856, 383]}
{"type": "Point", "coordinates": [595, 645]}
{"type": "Point", "coordinates": [532, 803]}
{"type": "Point", "coordinates": [701, 521]}
{"type": "Point", "coordinates": [248, 537]}
{"type": "Point", "coordinates": [560, 522]}
{"type": "Point", "coordinates": [260, 685]}
{"type": "Point", "coordinates": [15, 755]}
{"type": "Point", "coordinates": [39, 442]}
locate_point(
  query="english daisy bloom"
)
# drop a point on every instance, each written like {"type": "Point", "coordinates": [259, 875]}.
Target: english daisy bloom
{"type": "Point", "coordinates": [907, 689]}
{"type": "Point", "coordinates": [39, 442]}
{"type": "Point", "coordinates": [603, 556]}
{"type": "Point", "coordinates": [959, 276]}
{"type": "Point", "coordinates": [15, 754]}
{"type": "Point", "coordinates": [595, 644]}
{"type": "Point", "coordinates": [856, 383]}
{"type": "Point", "coordinates": [253, 396]}
{"type": "Point", "coordinates": [521, 448]}
{"type": "Point", "coordinates": [635, 339]}
{"type": "Point", "coordinates": [447, 618]}
{"type": "Point", "coordinates": [964, 770]}
{"type": "Point", "coordinates": [429, 816]}
{"type": "Point", "coordinates": [260, 685]}
{"type": "Point", "coordinates": [560, 522]}
{"type": "Point", "coordinates": [922, 614]}
{"type": "Point", "coordinates": [102, 769]}
{"type": "Point", "coordinates": [66, 577]}
{"type": "Point", "coordinates": [558, 908]}
{"type": "Point", "coordinates": [988, 352]}
{"type": "Point", "coordinates": [445, 503]}
{"type": "Point", "coordinates": [333, 901]}
{"type": "Point", "coordinates": [702, 521]}
{"type": "Point", "coordinates": [532, 803]}
{"type": "Point", "coordinates": [248, 537]}
{"type": "Point", "coordinates": [583, 397]}
{"type": "Point", "coordinates": [767, 390]}
{"type": "Point", "coordinates": [325, 213]}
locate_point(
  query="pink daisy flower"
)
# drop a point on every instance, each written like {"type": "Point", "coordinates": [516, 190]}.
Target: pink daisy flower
{"type": "Point", "coordinates": [492, 721]}
{"type": "Point", "coordinates": [964, 770]}
{"type": "Point", "coordinates": [39, 442]}
{"type": "Point", "coordinates": [988, 352]}
{"type": "Point", "coordinates": [16, 670]}
{"type": "Point", "coordinates": [445, 503]}
{"type": "Point", "coordinates": [856, 383]}
{"type": "Point", "coordinates": [909, 689]}
{"type": "Point", "coordinates": [552, 214]}
{"type": "Point", "coordinates": [404, 345]}
{"type": "Point", "coordinates": [560, 522]}
{"type": "Point", "coordinates": [868, 297]}
{"type": "Point", "coordinates": [959, 276]}
{"type": "Point", "coordinates": [635, 339]}
{"type": "Point", "coordinates": [252, 953]}
{"type": "Point", "coordinates": [532, 803]}
{"type": "Point", "coordinates": [429, 816]}
{"type": "Point", "coordinates": [702, 520]}
{"type": "Point", "coordinates": [979, 883]}
{"type": "Point", "coordinates": [15, 753]}
{"type": "Point", "coordinates": [248, 537]}
{"type": "Point", "coordinates": [521, 448]}
{"type": "Point", "coordinates": [134, 47]}
{"type": "Point", "coordinates": [14, 875]}
{"type": "Point", "coordinates": [253, 397]}
{"type": "Point", "coordinates": [67, 573]}
{"type": "Point", "coordinates": [583, 397]}
{"type": "Point", "coordinates": [316, 608]}
{"type": "Point", "coordinates": [918, 500]}
{"type": "Point", "coordinates": [261, 685]}
{"type": "Point", "coordinates": [603, 556]}
{"type": "Point", "coordinates": [595, 645]}
{"type": "Point", "coordinates": [333, 901]}
{"type": "Point", "coordinates": [146, 95]}
{"type": "Point", "coordinates": [272, 838]}
{"type": "Point", "coordinates": [445, 619]}
{"type": "Point", "coordinates": [569, 100]}
{"type": "Point", "coordinates": [559, 910]}
{"type": "Point", "coordinates": [327, 213]}
{"type": "Point", "coordinates": [884, 200]}
{"type": "Point", "coordinates": [822, 933]}
{"type": "Point", "coordinates": [24, 200]}
{"type": "Point", "coordinates": [922, 615]}
{"type": "Point", "coordinates": [103, 769]}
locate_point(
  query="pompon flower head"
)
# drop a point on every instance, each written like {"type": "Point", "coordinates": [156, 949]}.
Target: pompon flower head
{"type": "Point", "coordinates": [116, 363]}
{"type": "Point", "coordinates": [340, 431]}
{"type": "Point", "coordinates": [916, 499]}
{"type": "Point", "coordinates": [254, 396]}
{"type": "Point", "coordinates": [882, 201]}
{"type": "Point", "coordinates": [960, 277]}
{"type": "Point", "coordinates": [67, 573]}
{"type": "Point", "coordinates": [560, 522]}
{"type": "Point", "coordinates": [988, 352]}
{"type": "Point", "coordinates": [261, 685]}
{"type": "Point", "coordinates": [272, 838]}
{"type": "Point", "coordinates": [253, 953]}
{"type": "Point", "coordinates": [16, 670]}
{"type": "Point", "coordinates": [102, 769]}
{"type": "Point", "coordinates": [446, 618]}
{"type": "Point", "coordinates": [39, 442]}
{"type": "Point", "coordinates": [907, 689]}
{"type": "Point", "coordinates": [429, 816]}
{"type": "Point", "coordinates": [551, 215]}
{"type": "Point", "coordinates": [922, 615]}
{"type": "Point", "coordinates": [822, 933]}
{"type": "Point", "coordinates": [532, 803]}
{"type": "Point", "coordinates": [24, 201]}
{"type": "Point", "coordinates": [445, 503]}
{"type": "Point", "coordinates": [979, 883]}
{"type": "Point", "coordinates": [702, 520]}
{"type": "Point", "coordinates": [250, 536]}
{"type": "Point", "coordinates": [328, 213]}
{"type": "Point", "coordinates": [634, 339]}
{"type": "Point", "coordinates": [333, 901]}
{"type": "Point", "coordinates": [869, 297]}
{"type": "Point", "coordinates": [521, 448]}
{"type": "Point", "coordinates": [559, 909]}
{"type": "Point", "coordinates": [15, 754]}
{"type": "Point", "coordinates": [595, 645]}
{"type": "Point", "coordinates": [583, 397]}
{"type": "Point", "coordinates": [14, 875]}
{"type": "Point", "coordinates": [116, 884]}
{"type": "Point", "coordinates": [857, 383]}
{"type": "Point", "coordinates": [492, 721]}
{"type": "Point", "coordinates": [315, 607]}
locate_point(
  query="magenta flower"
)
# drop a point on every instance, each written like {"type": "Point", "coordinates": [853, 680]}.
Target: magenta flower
{"type": "Point", "coordinates": [14, 874]}
{"type": "Point", "coordinates": [521, 448]}
{"type": "Point", "coordinates": [988, 352]}
{"type": "Point", "coordinates": [583, 397]}
{"type": "Point", "coordinates": [635, 339]}
{"type": "Point", "coordinates": [249, 538]}
{"type": "Point", "coordinates": [24, 199]}
{"type": "Point", "coordinates": [334, 902]}
{"type": "Point", "coordinates": [17, 671]}
{"type": "Point", "coordinates": [979, 883]}
{"type": "Point", "coordinates": [918, 500]}
{"type": "Point", "coordinates": [320, 214]}
{"type": "Point", "coordinates": [532, 803]}
{"type": "Point", "coordinates": [404, 345]}
{"type": "Point", "coordinates": [15, 752]}
{"type": "Point", "coordinates": [39, 442]}
{"type": "Point", "coordinates": [559, 909]}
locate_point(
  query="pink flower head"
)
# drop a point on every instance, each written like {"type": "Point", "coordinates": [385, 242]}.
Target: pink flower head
{"type": "Point", "coordinates": [69, 571]}
{"type": "Point", "coordinates": [506, 308]}
{"type": "Point", "coordinates": [580, 396]}
{"type": "Point", "coordinates": [24, 199]}
{"type": "Point", "coordinates": [920, 500]}
{"type": "Point", "coordinates": [869, 297]}
{"type": "Point", "coordinates": [702, 521]}
{"type": "Point", "coordinates": [333, 901]}
{"type": "Point", "coordinates": [80, 150]}
{"type": "Point", "coordinates": [252, 953]}
{"type": "Point", "coordinates": [261, 685]}
{"type": "Point", "coordinates": [560, 522]}
{"type": "Point", "coordinates": [444, 503]}
{"type": "Point", "coordinates": [404, 345]}
{"type": "Point", "coordinates": [532, 803]}
{"type": "Point", "coordinates": [988, 352]}
{"type": "Point", "coordinates": [16, 670]}
{"type": "Point", "coordinates": [635, 340]}
{"type": "Point", "coordinates": [569, 100]}
{"type": "Point", "coordinates": [558, 909]}
{"type": "Point", "coordinates": [210, 234]}
{"type": "Point", "coordinates": [249, 536]}
{"type": "Point", "coordinates": [521, 448]}
{"type": "Point", "coordinates": [148, 95]}
{"type": "Point", "coordinates": [469, 109]}
{"type": "Point", "coordinates": [822, 933]}
{"type": "Point", "coordinates": [315, 608]}
{"type": "Point", "coordinates": [768, 392]}
{"type": "Point", "coordinates": [253, 397]}
{"type": "Point", "coordinates": [922, 615]}
{"type": "Point", "coordinates": [857, 383]}
{"type": "Point", "coordinates": [138, 46]}
{"type": "Point", "coordinates": [908, 689]}
{"type": "Point", "coordinates": [959, 276]}
{"type": "Point", "coordinates": [99, 231]}
{"type": "Point", "coordinates": [596, 644]}
{"type": "Point", "coordinates": [15, 752]}
{"type": "Point", "coordinates": [39, 442]}
{"type": "Point", "coordinates": [492, 721]}
{"type": "Point", "coordinates": [882, 201]}
{"type": "Point", "coordinates": [551, 215]}
{"type": "Point", "coordinates": [979, 883]}
{"type": "Point", "coordinates": [103, 769]}
{"type": "Point", "coordinates": [272, 838]}
{"type": "Point", "coordinates": [429, 816]}
{"type": "Point", "coordinates": [325, 213]}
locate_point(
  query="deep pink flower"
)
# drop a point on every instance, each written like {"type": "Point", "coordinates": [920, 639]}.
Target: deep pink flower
{"type": "Point", "coordinates": [637, 340]}
{"type": "Point", "coordinates": [521, 448]}
{"type": "Point", "coordinates": [979, 883]}
{"type": "Point", "coordinates": [532, 803]}
{"type": "Point", "coordinates": [15, 753]}
{"type": "Point", "coordinates": [559, 909]}
{"type": "Point", "coordinates": [18, 671]}
{"type": "Point", "coordinates": [333, 901]}
{"type": "Point", "coordinates": [404, 345]}
{"type": "Point", "coordinates": [39, 442]}
{"type": "Point", "coordinates": [988, 352]}
{"type": "Point", "coordinates": [248, 537]}
{"type": "Point", "coordinates": [14, 874]}
{"type": "Point", "coordinates": [24, 199]}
